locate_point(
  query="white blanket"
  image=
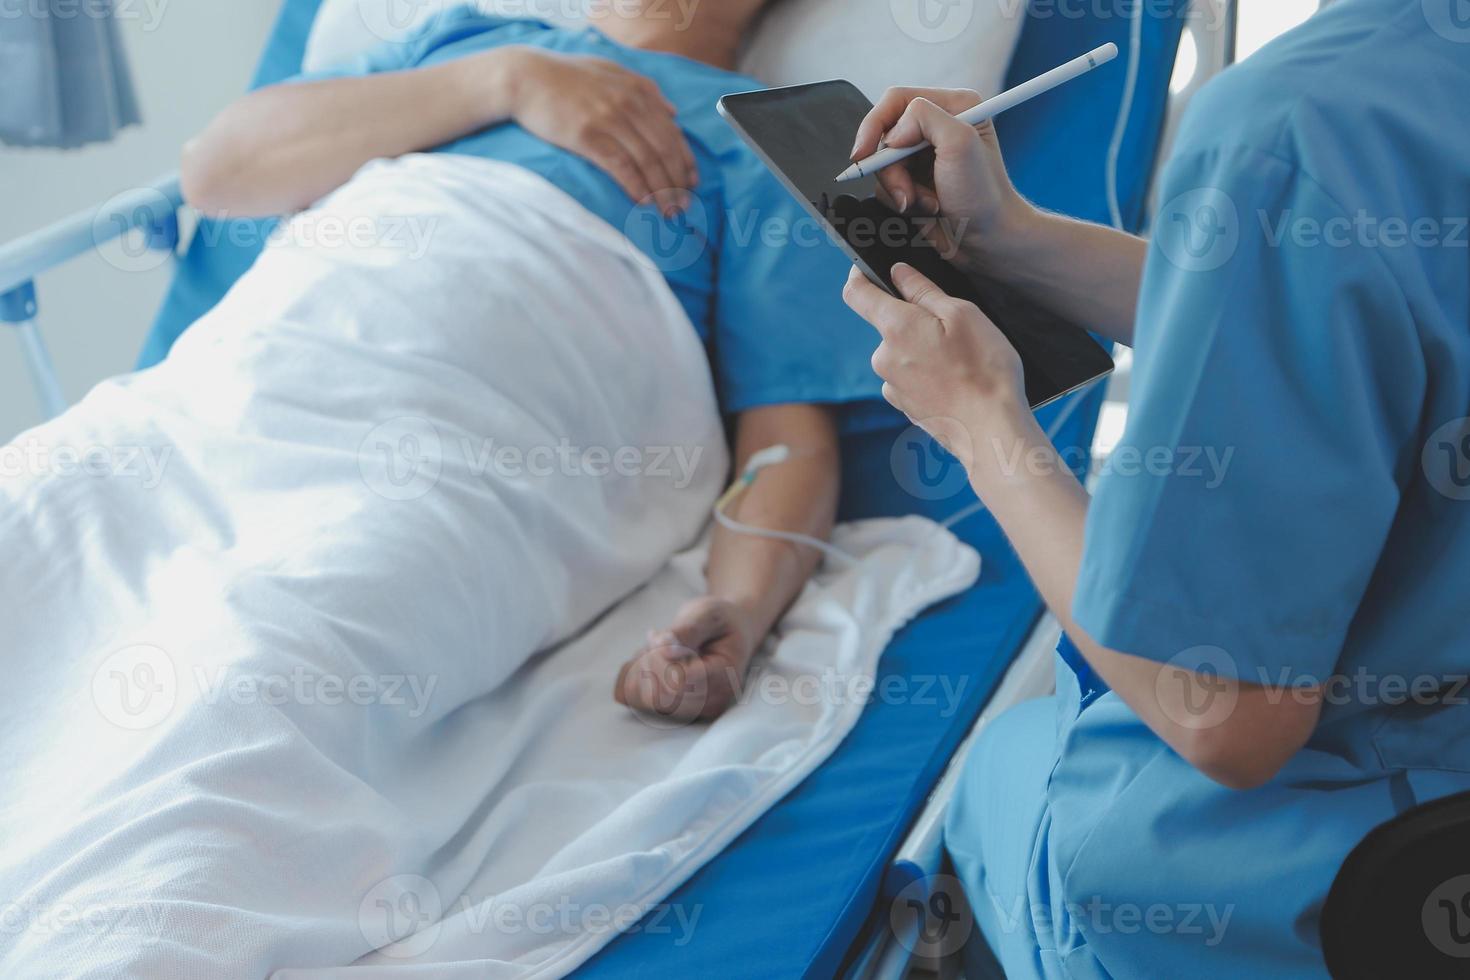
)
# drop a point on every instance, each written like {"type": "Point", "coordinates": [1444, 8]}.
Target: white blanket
{"type": "Point", "coordinates": [271, 611]}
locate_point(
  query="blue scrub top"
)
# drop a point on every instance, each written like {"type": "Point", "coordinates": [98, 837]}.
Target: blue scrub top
{"type": "Point", "coordinates": [1305, 324]}
{"type": "Point", "coordinates": [758, 277]}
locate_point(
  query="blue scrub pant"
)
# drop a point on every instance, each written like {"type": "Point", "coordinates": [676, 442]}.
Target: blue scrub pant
{"type": "Point", "coordinates": [996, 836]}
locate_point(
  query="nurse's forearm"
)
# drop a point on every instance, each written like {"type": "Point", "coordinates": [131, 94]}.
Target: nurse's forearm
{"type": "Point", "coordinates": [1086, 273]}
{"type": "Point", "coordinates": [280, 148]}
{"type": "Point", "coordinates": [1043, 510]}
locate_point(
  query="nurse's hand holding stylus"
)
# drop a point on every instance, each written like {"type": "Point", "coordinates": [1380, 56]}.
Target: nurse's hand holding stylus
{"type": "Point", "coordinates": [941, 357]}
{"type": "Point", "coordinates": [968, 174]}
{"type": "Point", "coordinates": [943, 362]}
{"type": "Point", "coordinates": [1082, 272]}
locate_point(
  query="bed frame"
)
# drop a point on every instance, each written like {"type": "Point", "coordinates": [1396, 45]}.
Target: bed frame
{"type": "Point", "coordinates": [151, 214]}
{"type": "Point", "coordinates": [151, 211]}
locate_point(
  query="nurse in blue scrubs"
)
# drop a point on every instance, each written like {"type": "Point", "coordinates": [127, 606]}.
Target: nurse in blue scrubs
{"type": "Point", "coordinates": [1266, 654]}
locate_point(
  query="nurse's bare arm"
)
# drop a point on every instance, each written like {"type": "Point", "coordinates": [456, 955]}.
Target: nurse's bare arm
{"type": "Point", "coordinates": [280, 148]}
{"type": "Point", "coordinates": [1247, 732]}
{"type": "Point", "coordinates": [695, 666]}
{"type": "Point", "coordinates": [941, 358]}
{"type": "Point", "coordinates": [1087, 273]}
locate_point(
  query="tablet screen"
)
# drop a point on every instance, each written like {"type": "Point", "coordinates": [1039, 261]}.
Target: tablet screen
{"type": "Point", "coordinates": [804, 134]}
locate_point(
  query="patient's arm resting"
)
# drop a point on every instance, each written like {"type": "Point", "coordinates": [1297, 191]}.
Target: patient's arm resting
{"type": "Point", "coordinates": [279, 149]}
{"type": "Point", "coordinates": [694, 668]}
{"type": "Point", "coordinates": [283, 147]}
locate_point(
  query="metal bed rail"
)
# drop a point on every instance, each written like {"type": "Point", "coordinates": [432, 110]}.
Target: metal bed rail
{"type": "Point", "coordinates": [152, 210]}
{"type": "Point", "coordinates": [889, 953]}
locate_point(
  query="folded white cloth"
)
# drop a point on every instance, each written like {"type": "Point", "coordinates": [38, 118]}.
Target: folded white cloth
{"type": "Point", "coordinates": [590, 816]}
{"type": "Point", "coordinates": [269, 607]}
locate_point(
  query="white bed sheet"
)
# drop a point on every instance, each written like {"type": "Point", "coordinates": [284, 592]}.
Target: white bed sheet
{"type": "Point", "coordinates": [271, 612]}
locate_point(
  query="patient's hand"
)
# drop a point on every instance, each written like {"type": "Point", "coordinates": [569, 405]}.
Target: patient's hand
{"type": "Point", "coordinates": [694, 670]}
{"type": "Point", "coordinates": [614, 117]}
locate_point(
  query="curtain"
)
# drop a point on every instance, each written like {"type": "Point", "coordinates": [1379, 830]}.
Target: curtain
{"type": "Point", "coordinates": [64, 79]}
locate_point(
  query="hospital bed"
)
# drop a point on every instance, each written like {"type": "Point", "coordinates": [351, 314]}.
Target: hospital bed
{"type": "Point", "coordinates": [813, 887]}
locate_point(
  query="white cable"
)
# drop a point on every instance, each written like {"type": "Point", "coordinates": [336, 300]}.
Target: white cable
{"type": "Point", "coordinates": [770, 456]}
{"type": "Point", "coordinates": [779, 454]}
{"type": "Point", "coordinates": [730, 524]}
{"type": "Point", "coordinates": [1125, 113]}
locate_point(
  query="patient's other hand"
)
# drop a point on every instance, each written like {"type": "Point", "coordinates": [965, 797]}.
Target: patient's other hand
{"type": "Point", "coordinates": [694, 670]}
{"type": "Point", "coordinates": [614, 117]}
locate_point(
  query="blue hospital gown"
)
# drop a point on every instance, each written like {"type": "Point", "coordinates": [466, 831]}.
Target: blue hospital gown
{"type": "Point", "coordinates": [758, 277]}
{"type": "Point", "coordinates": [1305, 316]}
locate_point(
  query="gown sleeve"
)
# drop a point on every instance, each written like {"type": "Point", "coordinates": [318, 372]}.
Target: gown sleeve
{"type": "Point", "coordinates": [1278, 388]}
{"type": "Point", "coordinates": [782, 332]}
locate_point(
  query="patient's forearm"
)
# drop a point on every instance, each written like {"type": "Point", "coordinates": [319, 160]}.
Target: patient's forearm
{"type": "Point", "coordinates": [281, 148]}
{"type": "Point", "coordinates": [759, 575]}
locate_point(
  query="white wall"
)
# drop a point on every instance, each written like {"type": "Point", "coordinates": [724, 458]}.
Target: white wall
{"type": "Point", "coordinates": [189, 58]}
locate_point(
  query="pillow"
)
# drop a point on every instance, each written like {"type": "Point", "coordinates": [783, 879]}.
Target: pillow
{"type": "Point", "coordinates": [873, 43]}
{"type": "Point", "coordinates": [877, 44]}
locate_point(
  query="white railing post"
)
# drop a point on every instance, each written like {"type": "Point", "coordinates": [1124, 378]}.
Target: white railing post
{"type": "Point", "coordinates": [152, 210]}
{"type": "Point", "coordinates": [18, 308]}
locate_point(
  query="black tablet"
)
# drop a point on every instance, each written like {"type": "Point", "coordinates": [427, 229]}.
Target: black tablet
{"type": "Point", "coordinates": [804, 133]}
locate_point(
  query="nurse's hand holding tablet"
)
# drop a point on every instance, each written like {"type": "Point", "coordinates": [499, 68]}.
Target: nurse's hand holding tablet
{"type": "Point", "coordinates": [942, 359]}
{"type": "Point", "coordinates": [948, 368]}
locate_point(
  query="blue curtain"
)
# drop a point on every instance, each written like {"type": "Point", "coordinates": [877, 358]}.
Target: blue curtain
{"type": "Point", "coordinates": [64, 80]}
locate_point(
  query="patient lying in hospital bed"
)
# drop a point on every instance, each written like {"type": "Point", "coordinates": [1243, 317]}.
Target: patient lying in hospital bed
{"type": "Point", "coordinates": [621, 118]}
{"type": "Point", "coordinates": [468, 449]}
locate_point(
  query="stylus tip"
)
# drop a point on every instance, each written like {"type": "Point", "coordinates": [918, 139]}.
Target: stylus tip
{"type": "Point", "coordinates": [851, 173]}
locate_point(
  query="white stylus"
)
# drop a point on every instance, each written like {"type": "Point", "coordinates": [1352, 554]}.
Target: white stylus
{"type": "Point", "coordinates": [990, 108]}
